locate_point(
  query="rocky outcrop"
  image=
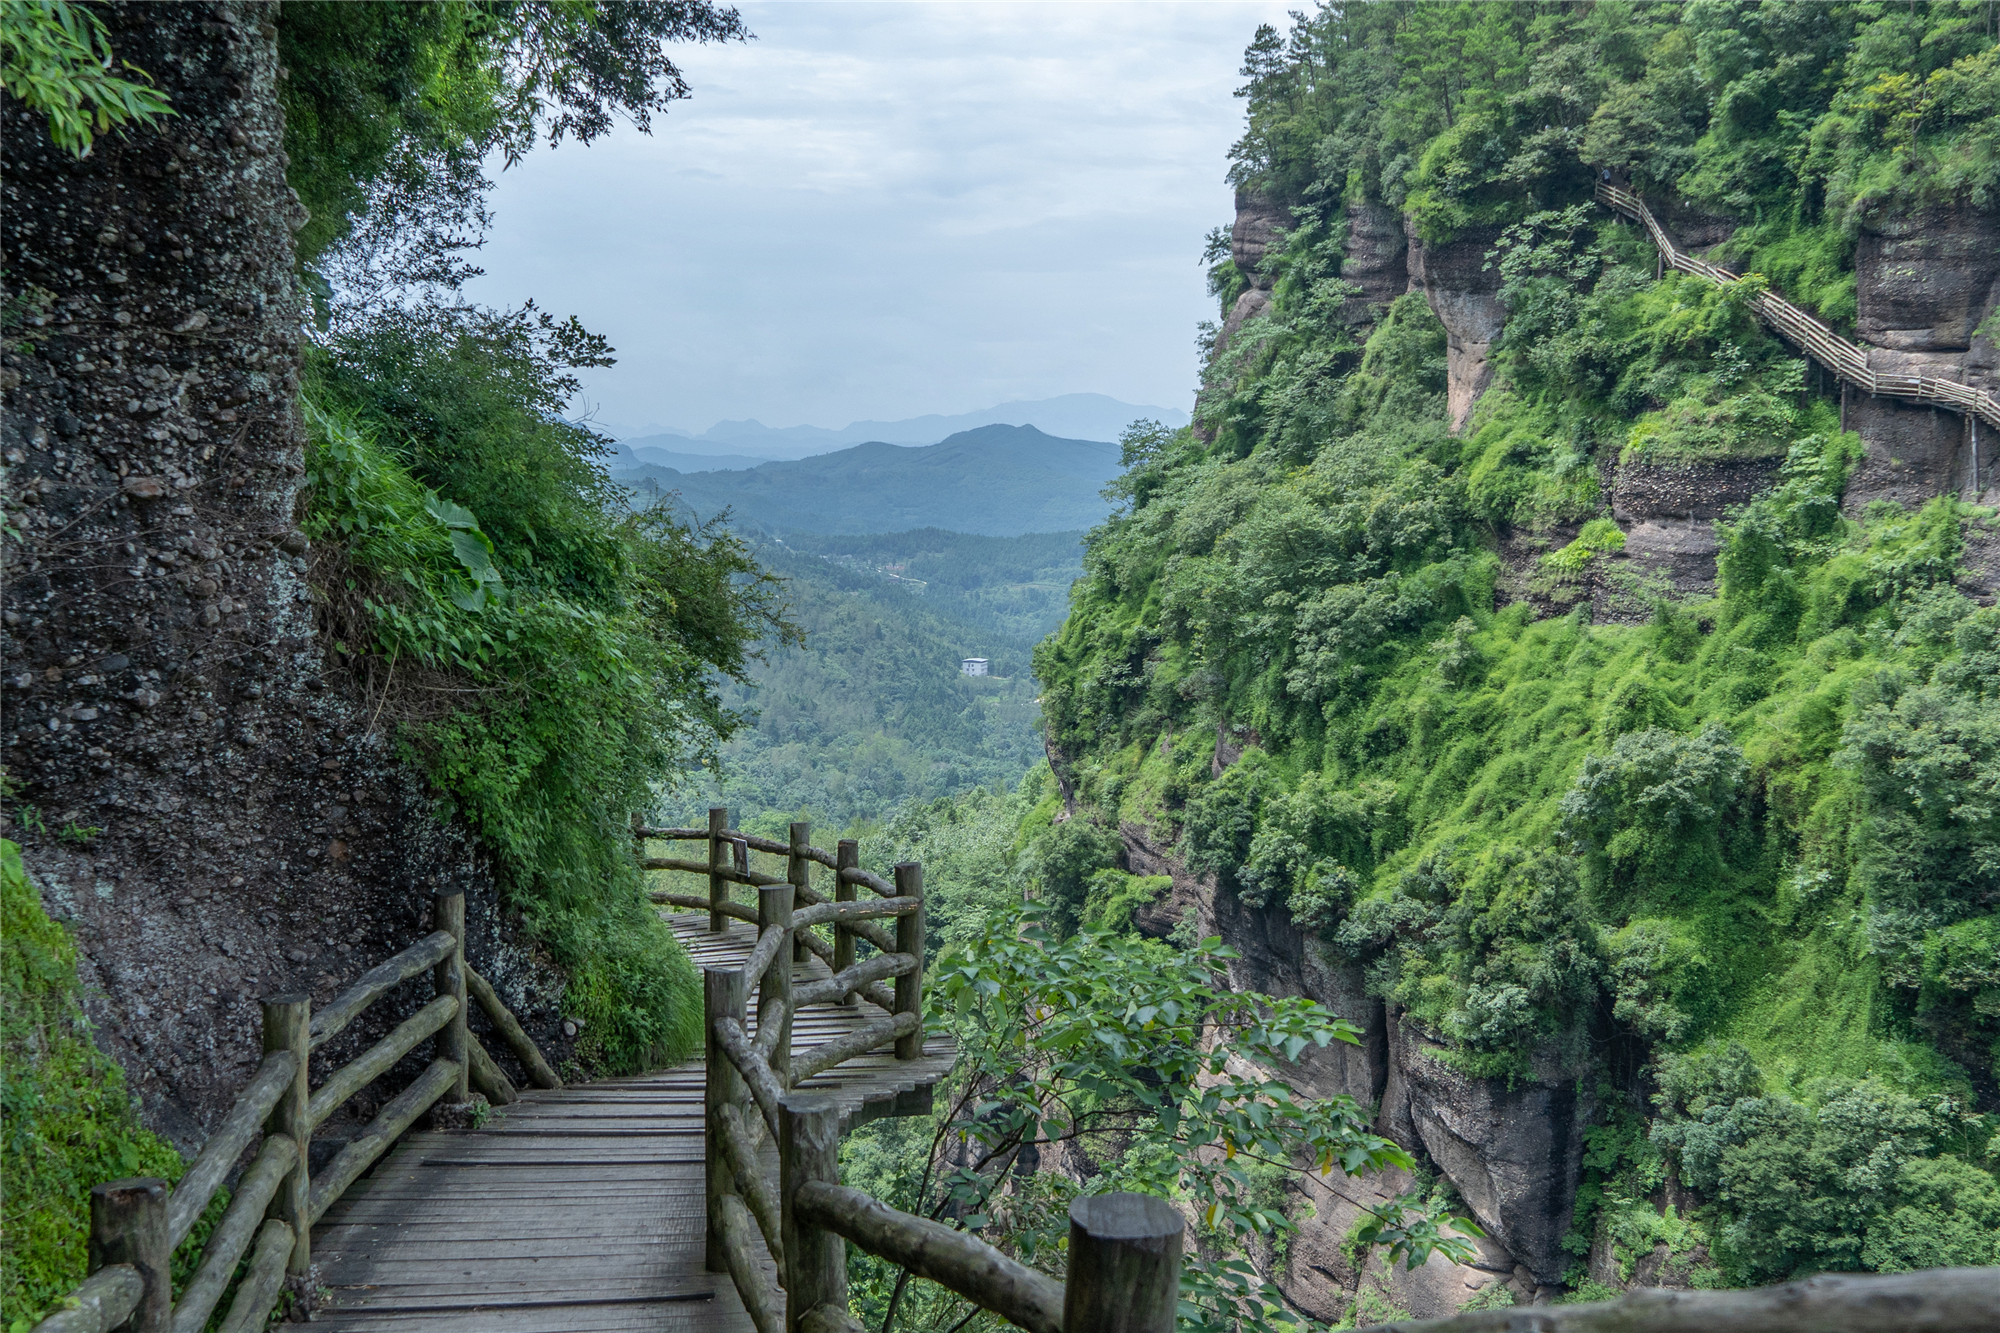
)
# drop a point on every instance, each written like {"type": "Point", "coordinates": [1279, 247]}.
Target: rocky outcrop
{"type": "Point", "coordinates": [1465, 294]}
{"type": "Point", "coordinates": [1258, 222]}
{"type": "Point", "coordinates": [1667, 511]}
{"type": "Point", "coordinates": [1926, 281]}
{"type": "Point", "coordinates": [1377, 260]}
{"type": "Point", "coordinates": [1914, 453]}
{"type": "Point", "coordinates": [1319, 1274]}
{"type": "Point", "coordinates": [1513, 1147]}
{"type": "Point", "coordinates": [1249, 305]}
{"type": "Point", "coordinates": [1259, 219]}
{"type": "Point", "coordinates": [207, 807]}
{"type": "Point", "coordinates": [1691, 489]}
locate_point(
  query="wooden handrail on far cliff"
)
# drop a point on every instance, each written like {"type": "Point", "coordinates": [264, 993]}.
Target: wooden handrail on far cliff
{"type": "Point", "coordinates": [1809, 335]}
{"type": "Point", "coordinates": [135, 1225]}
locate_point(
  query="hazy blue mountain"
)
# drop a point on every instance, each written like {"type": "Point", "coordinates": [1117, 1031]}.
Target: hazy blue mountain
{"type": "Point", "coordinates": [626, 455]}
{"type": "Point", "coordinates": [1076, 416]}
{"type": "Point", "coordinates": [997, 481]}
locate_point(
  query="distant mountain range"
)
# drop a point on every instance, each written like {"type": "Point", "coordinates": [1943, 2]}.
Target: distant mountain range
{"type": "Point", "coordinates": [999, 481]}
{"type": "Point", "coordinates": [625, 456]}
{"type": "Point", "coordinates": [1077, 416]}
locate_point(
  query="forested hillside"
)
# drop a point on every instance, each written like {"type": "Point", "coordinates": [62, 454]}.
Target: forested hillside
{"type": "Point", "coordinates": [1519, 655]}
{"type": "Point", "coordinates": [871, 710]}
{"type": "Point", "coordinates": [1015, 586]}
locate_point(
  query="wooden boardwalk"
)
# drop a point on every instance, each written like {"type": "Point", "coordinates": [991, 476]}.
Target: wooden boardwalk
{"type": "Point", "coordinates": [577, 1211]}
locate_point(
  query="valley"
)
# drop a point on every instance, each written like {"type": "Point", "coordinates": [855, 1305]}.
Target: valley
{"type": "Point", "coordinates": [872, 711]}
{"type": "Point", "coordinates": [1496, 805]}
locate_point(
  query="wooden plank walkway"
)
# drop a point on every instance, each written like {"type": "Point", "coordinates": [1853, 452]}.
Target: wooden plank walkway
{"type": "Point", "coordinates": [577, 1211]}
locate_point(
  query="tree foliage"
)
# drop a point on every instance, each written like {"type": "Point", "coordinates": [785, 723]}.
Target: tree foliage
{"type": "Point", "coordinates": [1413, 691]}
{"type": "Point", "coordinates": [550, 656]}
{"type": "Point", "coordinates": [56, 58]}
{"type": "Point", "coordinates": [390, 109]}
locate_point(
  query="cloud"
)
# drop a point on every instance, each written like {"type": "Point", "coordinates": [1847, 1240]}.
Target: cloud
{"type": "Point", "coordinates": [890, 209]}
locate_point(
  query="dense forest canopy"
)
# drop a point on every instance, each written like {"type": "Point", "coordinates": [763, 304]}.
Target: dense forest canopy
{"type": "Point", "coordinates": [1553, 805]}
{"type": "Point", "coordinates": [1793, 118]}
{"type": "Point", "coordinates": [872, 711]}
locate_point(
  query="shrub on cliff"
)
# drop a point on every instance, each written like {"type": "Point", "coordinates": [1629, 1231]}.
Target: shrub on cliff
{"type": "Point", "coordinates": [1850, 1174]}
{"type": "Point", "coordinates": [547, 656]}
{"type": "Point", "coordinates": [574, 642]}
{"type": "Point", "coordinates": [66, 1120]}
{"type": "Point", "coordinates": [1141, 1060]}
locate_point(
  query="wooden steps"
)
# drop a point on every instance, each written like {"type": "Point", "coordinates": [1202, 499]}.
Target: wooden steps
{"type": "Point", "coordinates": [578, 1211]}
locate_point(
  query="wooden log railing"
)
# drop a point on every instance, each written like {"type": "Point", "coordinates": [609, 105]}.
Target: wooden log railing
{"type": "Point", "coordinates": [1845, 359]}
{"type": "Point", "coordinates": [1124, 1257]}
{"type": "Point", "coordinates": [136, 1225]}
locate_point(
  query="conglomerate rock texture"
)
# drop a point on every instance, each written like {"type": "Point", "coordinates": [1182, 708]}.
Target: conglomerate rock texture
{"type": "Point", "coordinates": [199, 796]}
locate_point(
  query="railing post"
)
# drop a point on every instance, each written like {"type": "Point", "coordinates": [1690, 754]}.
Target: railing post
{"type": "Point", "coordinates": [846, 856]}
{"type": "Point", "coordinates": [128, 1225]}
{"type": "Point", "coordinates": [721, 997]}
{"type": "Point", "coordinates": [718, 887]}
{"type": "Point", "coordinates": [798, 869]}
{"type": "Point", "coordinates": [288, 1027]}
{"type": "Point", "coordinates": [815, 1260]}
{"type": "Point", "coordinates": [1124, 1264]}
{"type": "Point", "coordinates": [910, 940]}
{"type": "Point", "coordinates": [448, 914]}
{"type": "Point", "coordinates": [774, 908]}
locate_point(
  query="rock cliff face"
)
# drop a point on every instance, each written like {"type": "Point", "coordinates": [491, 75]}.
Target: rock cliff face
{"type": "Point", "coordinates": [1258, 221]}
{"type": "Point", "coordinates": [1465, 294]}
{"type": "Point", "coordinates": [1377, 260]}
{"type": "Point", "coordinates": [1512, 1153]}
{"type": "Point", "coordinates": [1926, 280]}
{"type": "Point", "coordinates": [1668, 512]}
{"type": "Point", "coordinates": [200, 798]}
{"type": "Point", "coordinates": [1925, 284]}
{"type": "Point", "coordinates": [1928, 283]}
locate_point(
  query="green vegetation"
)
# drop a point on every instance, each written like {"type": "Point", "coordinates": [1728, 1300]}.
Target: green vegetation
{"type": "Point", "coordinates": [1760, 822]}
{"type": "Point", "coordinates": [871, 710]}
{"type": "Point", "coordinates": [66, 1121]}
{"type": "Point", "coordinates": [56, 58]}
{"type": "Point", "coordinates": [1796, 119]}
{"type": "Point", "coordinates": [1016, 586]}
{"type": "Point", "coordinates": [575, 642]}
{"type": "Point", "coordinates": [1100, 1042]}
{"type": "Point", "coordinates": [548, 657]}
{"type": "Point", "coordinates": [390, 110]}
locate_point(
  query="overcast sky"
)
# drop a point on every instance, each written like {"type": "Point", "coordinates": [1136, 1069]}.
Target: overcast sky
{"type": "Point", "coordinates": [883, 210]}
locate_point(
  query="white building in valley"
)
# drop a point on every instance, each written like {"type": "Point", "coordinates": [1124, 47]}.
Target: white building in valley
{"type": "Point", "coordinates": [975, 666]}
